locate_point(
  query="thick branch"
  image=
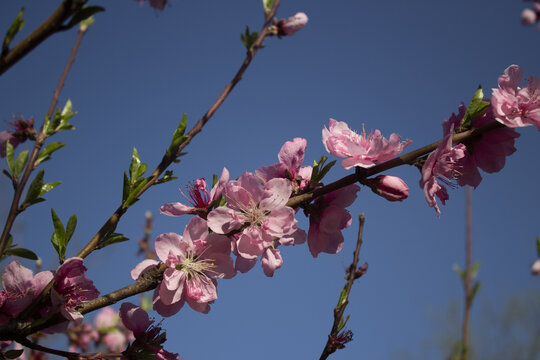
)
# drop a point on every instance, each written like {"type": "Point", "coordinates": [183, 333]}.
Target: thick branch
{"type": "Point", "coordinates": [49, 27]}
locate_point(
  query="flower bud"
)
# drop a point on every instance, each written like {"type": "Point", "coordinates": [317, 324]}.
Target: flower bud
{"type": "Point", "coordinates": [292, 24]}
{"type": "Point", "coordinates": [391, 188]}
{"type": "Point", "coordinates": [535, 268]}
{"type": "Point", "coordinates": [528, 17]}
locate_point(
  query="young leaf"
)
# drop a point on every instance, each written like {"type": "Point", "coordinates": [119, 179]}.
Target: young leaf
{"type": "Point", "coordinates": [474, 291]}
{"type": "Point", "coordinates": [460, 272]}
{"type": "Point", "coordinates": [342, 323]}
{"type": "Point", "coordinates": [134, 166]}
{"type": "Point", "coordinates": [45, 188]}
{"type": "Point", "coordinates": [34, 190]}
{"type": "Point", "coordinates": [19, 164]}
{"type": "Point", "coordinates": [44, 155]}
{"type": "Point", "coordinates": [9, 156]}
{"type": "Point", "coordinates": [474, 270]}
{"type": "Point", "coordinates": [83, 14]}
{"type": "Point", "coordinates": [249, 38]}
{"type": "Point", "coordinates": [476, 108]}
{"type": "Point", "coordinates": [342, 297]}
{"type": "Point", "coordinates": [538, 246]}
{"type": "Point", "coordinates": [70, 227]}
{"type": "Point", "coordinates": [21, 252]}
{"type": "Point", "coordinates": [7, 174]}
{"type": "Point", "coordinates": [15, 27]}
{"type": "Point", "coordinates": [267, 5]}
{"type": "Point", "coordinates": [58, 227]}
{"type": "Point", "coordinates": [125, 187]}
{"type": "Point", "coordinates": [113, 238]}
{"type": "Point", "coordinates": [178, 135]}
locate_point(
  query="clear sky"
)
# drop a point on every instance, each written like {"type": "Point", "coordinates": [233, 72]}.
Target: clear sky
{"type": "Point", "coordinates": [396, 66]}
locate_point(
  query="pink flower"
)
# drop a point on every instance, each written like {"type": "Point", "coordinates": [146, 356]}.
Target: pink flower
{"type": "Point", "coordinates": [262, 209]}
{"type": "Point", "coordinates": [327, 218]}
{"type": "Point", "coordinates": [107, 318]}
{"type": "Point", "coordinates": [535, 268]}
{"type": "Point", "coordinates": [391, 188]}
{"type": "Point", "coordinates": [292, 24]}
{"type": "Point", "coordinates": [194, 262]}
{"type": "Point", "coordinates": [149, 338]}
{"type": "Point", "coordinates": [72, 287]}
{"type": "Point", "coordinates": [528, 17]}
{"type": "Point", "coordinates": [514, 106]}
{"type": "Point", "coordinates": [22, 130]}
{"type": "Point", "coordinates": [488, 154]}
{"type": "Point", "coordinates": [21, 287]}
{"type": "Point", "coordinates": [290, 166]}
{"type": "Point", "coordinates": [115, 341]}
{"type": "Point", "coordinates": [198, 197]}
{"type": "Point", "coordinates": [362, 150]}
{"type": "Point", "coordinates": [441, 164]}
{"type": "Point", "coordinates": [80, 336]}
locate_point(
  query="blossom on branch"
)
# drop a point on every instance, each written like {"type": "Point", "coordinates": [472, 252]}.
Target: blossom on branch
{"type": "Point", "coordinates": [71, 288]}
{"type": "Point", "coordinates": [489, 153]}
{"type": "Point", "coordinates": [194, 261]}
{"type": "Point", "coordinates": [327, 218]}
{"type": "Point", "coordinates": [258, 212]}
{"type": "Point", "coordinates": [290, 166]}
{"type": "Point", "coordinates": [362, 150]}
{"type": "Point", "coordinates": [514, 106]}
{"type": "Point", "coordinates": [22, 130]}
{"type": "Point", "coordinates": [198, 197]}
{"type": "Point", "coordinates": [21, 288]}
{"type": "Point", "coordinates": [441, 165]}
{"type": "Point", "coordinates": [391, 188]}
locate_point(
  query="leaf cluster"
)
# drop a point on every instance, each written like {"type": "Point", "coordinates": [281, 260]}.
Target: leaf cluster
{"type": "Point", "coordinates": [61, 236]}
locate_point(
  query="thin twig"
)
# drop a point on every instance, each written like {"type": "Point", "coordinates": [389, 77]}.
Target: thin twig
{"type": "Point", "coordinates": [169, 158]}
{"type": "Point", "coordinates": [333, 343]}
{"type": "Point", "coordinates": [467, 284]}
{"type": "Point", "coordinates": [40, 139]}
{"type": "Point", "coordinates": [70, 355]}
{"type": "Point", "coordinates": [46, 29]}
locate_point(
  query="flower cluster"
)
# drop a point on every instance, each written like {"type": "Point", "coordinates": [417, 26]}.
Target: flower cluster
{"type": "Point", "coordinates": [22, 130]}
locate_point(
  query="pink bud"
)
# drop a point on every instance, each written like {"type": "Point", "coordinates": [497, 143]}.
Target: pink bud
{"type": "Point", "coordinates": [391, 188]}
{"type": "Point", "coordinates": [535, 268]}
{"type": "Point", "coordinates": [293, 24]}
{"type": "Point", "coordinates": [528, 17]}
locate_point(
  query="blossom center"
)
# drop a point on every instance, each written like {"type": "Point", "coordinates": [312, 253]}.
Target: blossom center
{"type": "Point", "coordinates": [193, 266]}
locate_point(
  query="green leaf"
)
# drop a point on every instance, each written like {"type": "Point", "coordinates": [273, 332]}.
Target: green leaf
{"type": "Point", "coordinates": [55, 122]}
{"type": "Point", "coordinates": [249, 38]}
{"type": "Point", "coordinates": [267, 5]}
{"type": "Point", "coordinates": [84, 13]}
{"type": "Point", "coordinates": [45, 188]}
{"type": "Point", "coordinates": [13, 354]}
{"type": "Point", "coordinates": [70, 227]}
{"type": "Point", "coordinates": [474, 270]}
{"type": "Point", "coordinates": [178, 135]}
{"type": "Point", "coordinates": [113, 238]}
{"type": "Point", "coordinates": [67, 111]}
{"type": "Point", "coordinates": [166, 177]}
{"type": "Point", "coordinates": [538, 246]}
{"type": "Point", "coordinates": [19, 164]}
{"type": "Point", "coordinates": [342, 323]}
{"type": "Point", "coordinates": [21, 252]}
{"type": "Point", "coordinates": [134, 166]}
{"type": "Point", "coordinates": [15, 27]}
{"type": "Point", "coordinates": [342, 297]}
{"type": "Point", "coordinates": [476, 108]}
{"type": "Point", "coordinates": [86, 23]}
{"type": "Point", "coordinates": [44, 155]}
{"type": "Point", "coordinates": [58, 228]}
{"type": "Point", "coordinates": [125, 187]}
{"type": "Point", "coordinates": [460, 272]}
{"type": "Point", "coordinates": [132, 199]}
{"type": "Point", "coordinates": [34, 190]}
{"type": "Point", "coordinates": [9, 156]}
{"type": "Point", "coordinates": [474, 291]}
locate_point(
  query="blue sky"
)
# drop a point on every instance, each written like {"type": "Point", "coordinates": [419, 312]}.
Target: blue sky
{"type": "Point", "coordinates": [396, 66]}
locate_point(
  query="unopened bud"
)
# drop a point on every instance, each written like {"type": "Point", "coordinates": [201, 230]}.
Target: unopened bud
{"type": "Point", "coordinates": [292, 24]}
{"type": "Point", "coordinates": [528, 17]}
{"type": "Point", "coordinates": [391, 188]}
{"type": "Point", "coordinates": [535, 268]}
